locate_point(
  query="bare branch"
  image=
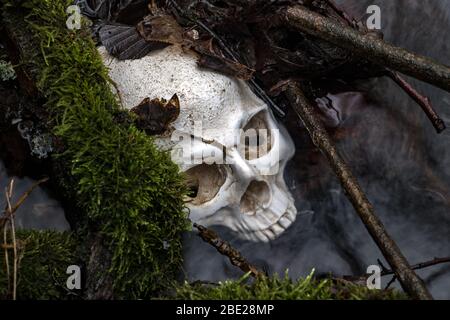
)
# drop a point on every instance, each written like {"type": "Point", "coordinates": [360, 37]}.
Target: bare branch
{"type": "Point", "coordinates": [423, 102]}
{"type": "Point", "coordinates": [387, 272]}
{"type": "Point", "coordinates": [411, 283]}
{"type": "Point", "coordinates": [365, 45]}
{"type": "Point", "coordinates": [226, 249]}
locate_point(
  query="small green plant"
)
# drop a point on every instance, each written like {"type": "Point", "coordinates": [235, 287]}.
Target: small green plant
{"type": "Point", "coordinates": [283, 288]}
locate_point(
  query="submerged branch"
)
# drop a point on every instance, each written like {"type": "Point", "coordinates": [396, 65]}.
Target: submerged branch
{"type": "Point", "coordinates": [410, 282]}
{"type": "Point", "coordinates": [365, 45]}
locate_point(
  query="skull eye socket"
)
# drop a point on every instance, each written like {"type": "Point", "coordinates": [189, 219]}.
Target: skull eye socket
{"type": "Point", "coordinates": [204, 182]}
{"type": "Point", "coordinates": [256, 140]}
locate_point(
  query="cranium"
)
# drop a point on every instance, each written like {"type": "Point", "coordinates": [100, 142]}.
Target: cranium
{"type": "Point", "coordinates": [246, 194]}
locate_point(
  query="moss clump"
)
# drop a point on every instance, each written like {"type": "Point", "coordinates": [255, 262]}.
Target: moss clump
{"type": "Point", "coordinates": [44, 258]}
{"type": "Point", "coordinates": [125, 187]}
{"type": "Point", "coordinates": [283, 288]}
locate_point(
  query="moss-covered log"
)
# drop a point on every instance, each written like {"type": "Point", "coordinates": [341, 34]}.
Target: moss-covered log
{"type": "Point", "coordinates": [128, 195]}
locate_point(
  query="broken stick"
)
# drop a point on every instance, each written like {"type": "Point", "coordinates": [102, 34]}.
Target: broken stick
{"type": "Point", "coordinates": [373, 49]}
{"type": "Point", "coordinates": [409, 280]}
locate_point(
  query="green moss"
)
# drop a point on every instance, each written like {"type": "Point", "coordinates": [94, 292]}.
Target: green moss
{"type": "Point", "coordinates": [44, 258]}
{"type": "Point", "coordinates": [283, 288]}
{"type": "Point", "coordinates": [125, 187]}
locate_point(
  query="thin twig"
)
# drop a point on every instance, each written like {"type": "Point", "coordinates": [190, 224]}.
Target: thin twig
{"type": "Point", "coordinates": [411, 283]}
{"type": "Point", "coordinates": [9, 213]}
{"type": "Point", "coordinates": [372, 49]}
{"type": "Point", "coordinates": [386, 272]}
{"type": "Point", "coordinates": [9, 191]}
{"type": "Point", "coordinates": [226, 249]}
{"type": "Point", "coordinates": [5, 246]}
{"type": "Point", "coordinates": [21, 200]}
{"type": "Point", "coordinates": [422, 101]}
{"type": "Point", "coordinates": [422, 265]}
{"type": "Point", "coordinates": [390, 282]}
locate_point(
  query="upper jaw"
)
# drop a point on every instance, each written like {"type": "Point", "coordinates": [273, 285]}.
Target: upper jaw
{"type": "Point", "coordinates": [269, 232]}
{"type": "Point", "coordinates": [266, 225]}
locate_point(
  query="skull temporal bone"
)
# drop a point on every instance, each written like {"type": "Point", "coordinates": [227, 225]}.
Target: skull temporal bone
{"type": "Point", "coordinates": [257, 206]}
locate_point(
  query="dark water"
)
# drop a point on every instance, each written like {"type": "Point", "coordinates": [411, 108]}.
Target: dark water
{"type": "Point", "coordinates": [401, 163]}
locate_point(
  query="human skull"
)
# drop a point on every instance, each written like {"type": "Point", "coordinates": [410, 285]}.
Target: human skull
{"type": "Point", "coordinates": [246, 193]}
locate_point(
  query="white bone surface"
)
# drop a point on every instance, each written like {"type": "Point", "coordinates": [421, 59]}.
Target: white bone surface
{"type": "Point", "coordinates": [253, 199]}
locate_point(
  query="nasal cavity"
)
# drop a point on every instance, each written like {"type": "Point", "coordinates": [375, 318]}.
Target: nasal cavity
{"type": "Point", "coordinates": [257, 197]}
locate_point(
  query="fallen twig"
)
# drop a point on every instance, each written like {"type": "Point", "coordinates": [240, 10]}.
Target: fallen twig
{"type": "Point", "coordinates": [373, 49]}
{"type": "Point", "coordinates": [411, 283]}
{"type": "Point", "coordinates": [226, 249]}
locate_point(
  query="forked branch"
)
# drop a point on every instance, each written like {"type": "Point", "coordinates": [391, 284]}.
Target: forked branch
{"type": "Point", "coordinates": [365, 45]}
